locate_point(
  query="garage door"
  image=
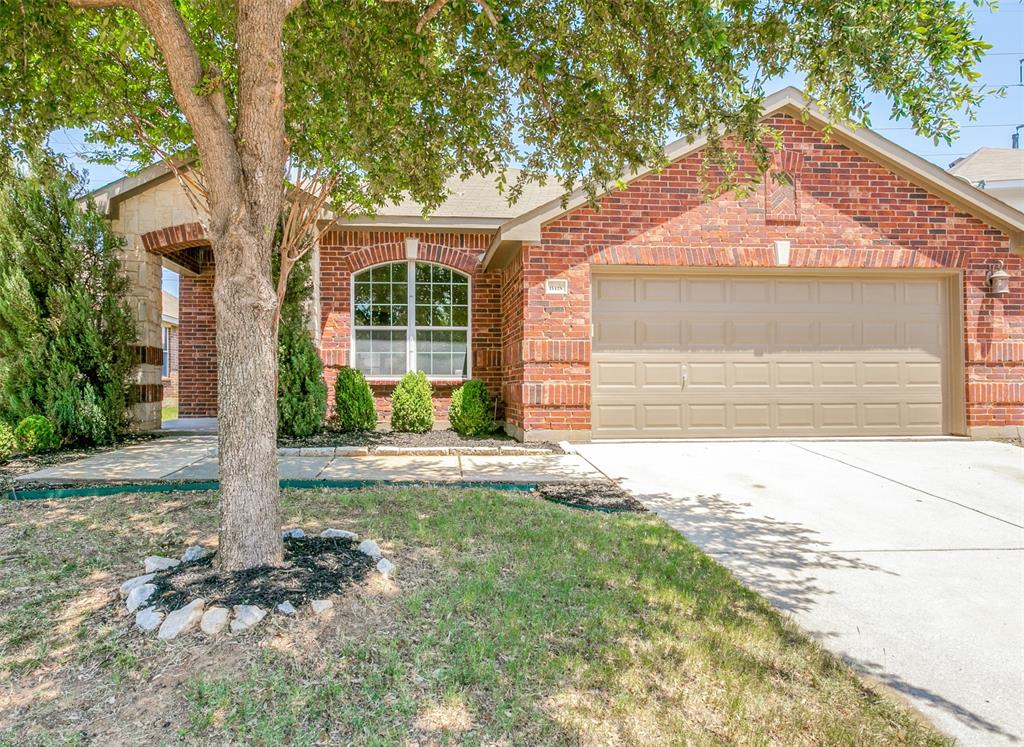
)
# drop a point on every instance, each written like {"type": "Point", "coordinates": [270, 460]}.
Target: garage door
{"type": "Point", "coordinates": [760, 355]}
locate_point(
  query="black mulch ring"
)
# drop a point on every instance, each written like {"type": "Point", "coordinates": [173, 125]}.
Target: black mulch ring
{"type": "Point", "coordinates": [314, 568]}
{"type": "Point", "coordinates": [438, 438]}
{"type": "Point", "coordinates": [603, 496]}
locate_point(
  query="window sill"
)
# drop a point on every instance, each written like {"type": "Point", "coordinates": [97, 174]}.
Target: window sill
{"type": "Point", "coordinates": [435, 380]}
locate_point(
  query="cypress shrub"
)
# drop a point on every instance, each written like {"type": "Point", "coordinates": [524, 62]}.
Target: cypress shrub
{"type": "Point", "coordinates": [67, 335]}
{"type": "Point", "coordinates": [412, 410]}
{"type": "Point", "coordinates": [35, 434]}
{"type": "Point", "coordinates": [301, 390]}
{"type": "Point", "coordinates": [354, 409]}
{"type": "Point", "coordinates": [7, 442]}
{"type": "Point", "coordinates": [470, 410]}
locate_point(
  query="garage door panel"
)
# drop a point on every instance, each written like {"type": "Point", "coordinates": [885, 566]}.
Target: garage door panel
{"type": "Point", "coordinates": [795, 291]}
{"type": "Point", "coordinates": [660, 333]}
{"type": "Point", "coordinates": [661, 290]}
{"type": "Point", "coordinates": [839, 335]}
{"type": "Point", "coordinates": [755, 417]}
{"type": "Point", "coordinates": [706, 291]}
{"type": "Point", "coordinates": [702, 375]}
{"type": "Point", "coordinates": [768, 356]}
{"type": "Point", "coordinates": [664, 418]}
{"type": "Point", "coordinates": [615, 375]}
{"type": "Point", "coordinates": [794, 374]}
{"type": "Point", "coordinates": [751, 291]}
{"type": "Point", "coordinates": [662, 375]}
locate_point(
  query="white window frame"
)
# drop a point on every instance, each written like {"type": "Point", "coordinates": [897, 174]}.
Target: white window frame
{"type": "Point", "coordinates": [410, 327]}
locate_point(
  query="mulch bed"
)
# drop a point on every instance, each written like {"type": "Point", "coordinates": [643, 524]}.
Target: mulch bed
{"type": "Point", "coordinates": [436, 438]}
{"type": "Point", "coordinates": [314, 568]}
{"type": "Point", "coordinates": [590, 495]}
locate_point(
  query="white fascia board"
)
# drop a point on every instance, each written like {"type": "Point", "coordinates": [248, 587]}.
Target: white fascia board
{"type": "Point", "coordinates": [420, 223]}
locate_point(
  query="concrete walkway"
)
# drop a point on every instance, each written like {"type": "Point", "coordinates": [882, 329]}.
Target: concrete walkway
{"type": "Point", "coordinates": [193, 457]}
{"type": "Point", "coordinates": [906, 558]}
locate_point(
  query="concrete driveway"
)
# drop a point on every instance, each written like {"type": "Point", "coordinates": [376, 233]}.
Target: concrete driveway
{"type": "Point", "coordinates": [906, 558]}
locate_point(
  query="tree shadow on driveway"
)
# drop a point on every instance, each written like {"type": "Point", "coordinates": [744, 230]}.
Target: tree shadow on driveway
{"type": "Point", "coordinates": [778, 559]}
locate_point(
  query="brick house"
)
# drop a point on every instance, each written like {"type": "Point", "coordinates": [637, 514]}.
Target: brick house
{"type": "Point", "coordinates": [848, 294]}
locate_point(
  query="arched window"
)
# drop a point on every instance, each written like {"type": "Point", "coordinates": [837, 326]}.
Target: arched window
{"type": "Point", "coordinates": [411, 316]}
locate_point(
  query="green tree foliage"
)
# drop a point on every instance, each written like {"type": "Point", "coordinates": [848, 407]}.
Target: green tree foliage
{"type": "Point", "coordinates": [412, 410]}
{"type": "Point", "coordinates": [35, 434]}
{"type": "Point", "coordinates": [471, 411]}
{"type": "Point", "coordinates": [7, 441]}
{"type": "Point", "coordinates": [66, 332]}
{"type": "Point", "coordinates": [301, 391]}
{"type": "Point", "coordinates": [354, 409]}
{"type": "Point", "coordinates": [583, 90]}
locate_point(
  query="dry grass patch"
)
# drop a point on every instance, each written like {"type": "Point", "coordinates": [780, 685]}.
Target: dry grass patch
{"type": "Point", "coordinates": [509, 621]}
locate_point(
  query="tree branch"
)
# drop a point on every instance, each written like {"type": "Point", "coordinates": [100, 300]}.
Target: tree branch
{"type": "Point", "coordinates": [206, 112]}
{"type": "Point", "coordinates": [438, 5]}
{"type": "Point", "coordinates": [101, 3]}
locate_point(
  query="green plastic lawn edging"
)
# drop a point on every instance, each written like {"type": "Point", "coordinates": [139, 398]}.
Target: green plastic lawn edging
{"type": "Point", "coordinates": [45, 494]}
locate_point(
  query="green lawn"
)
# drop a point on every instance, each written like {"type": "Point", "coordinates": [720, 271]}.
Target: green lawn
{"type": "Point", "coordinates": [509, 621]}
{"type": "Point", "coordinates": [169, 412]}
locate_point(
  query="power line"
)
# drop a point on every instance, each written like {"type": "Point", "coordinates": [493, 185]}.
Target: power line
{"type": "Point", "coordinates": [962, 127]}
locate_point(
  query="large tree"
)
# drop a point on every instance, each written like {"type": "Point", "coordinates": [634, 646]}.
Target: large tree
{"type": "Point", "coordinates": [381, 97]}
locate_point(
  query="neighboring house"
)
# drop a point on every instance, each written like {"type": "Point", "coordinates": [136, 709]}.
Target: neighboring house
{"type": "Point", "coordinates": [169, 342]}
{"type": "Point", "coordinates": [847, 295]}
{"type": "Point", "coordinates": [998, 171]}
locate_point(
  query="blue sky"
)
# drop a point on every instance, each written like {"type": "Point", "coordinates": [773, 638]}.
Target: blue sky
{"type": "Point", "coordinates": [993, 126]}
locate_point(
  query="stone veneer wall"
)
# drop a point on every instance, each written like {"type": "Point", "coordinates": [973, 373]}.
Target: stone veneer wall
{"type": "Point", "coordinates": [162, 204]}
{"type": "Point", "coordinates": [850, 212]}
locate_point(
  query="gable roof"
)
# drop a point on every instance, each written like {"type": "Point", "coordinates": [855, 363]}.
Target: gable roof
{"type": "Point", "coordinates": [790, 100]}
{"type": "Point", "coordinates": [991, 165]}
{"type": "Point", "coordinates": [474, 202]}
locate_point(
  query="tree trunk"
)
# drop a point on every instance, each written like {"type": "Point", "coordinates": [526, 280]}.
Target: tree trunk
{"type": "Point", "coordinates": [245, 302]}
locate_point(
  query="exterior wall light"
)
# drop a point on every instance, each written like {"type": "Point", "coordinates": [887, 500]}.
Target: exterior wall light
{"type": "Point", "coordinates": [998, 280]}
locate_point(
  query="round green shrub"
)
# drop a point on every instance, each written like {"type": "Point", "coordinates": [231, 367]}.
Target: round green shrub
{"type": "Point", "coordinates": [411, 408]}
{"type": "Point", "coordinates": [354, 409]}
{"type": "Point", "coordinates": [7, 443]}
{"type": "Point", "coordinates": [34, 434]}
{"type": "Point", "coordinates": [470, 411]}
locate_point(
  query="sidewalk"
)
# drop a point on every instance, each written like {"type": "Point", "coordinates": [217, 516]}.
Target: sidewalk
{"type": "Point", "coordinates": [187, 458]}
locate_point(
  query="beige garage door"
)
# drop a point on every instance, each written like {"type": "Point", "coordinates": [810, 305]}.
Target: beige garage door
{"type": "Point", "coordinates": [680, 356]}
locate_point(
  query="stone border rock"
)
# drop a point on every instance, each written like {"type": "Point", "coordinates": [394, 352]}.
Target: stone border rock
{"type": "Point", "coordinates": [212, 621]}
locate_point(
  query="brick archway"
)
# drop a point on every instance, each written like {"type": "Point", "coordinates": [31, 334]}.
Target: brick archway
{"type": "Point", "coordinates": [395, 252]}
{"type": "Point", "coordinates": [172, 238]}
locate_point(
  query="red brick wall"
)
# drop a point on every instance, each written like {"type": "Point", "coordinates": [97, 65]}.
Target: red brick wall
{"type": "Point", "coordinates": [512, 312]}
{"type": "Point", "coordinates": [851, 212]}
{"type": "Point", "coordinates": [345, 252]}
{"type": "Point", "coordinates": [197, 347]}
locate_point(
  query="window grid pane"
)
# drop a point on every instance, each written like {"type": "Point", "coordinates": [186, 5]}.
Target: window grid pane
{"type": "Point", "coordinates": [440, 308]}
{"type": "Point", "coordinates": [381, 352]}
{"type": "Point", "coordinates": [442, 352]}
{"type": "Point", "coordinates": [442, 297]}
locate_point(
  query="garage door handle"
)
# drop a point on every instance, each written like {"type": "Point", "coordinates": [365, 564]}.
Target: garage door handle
{"type": "Point", "coordinates": [683, 385]}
